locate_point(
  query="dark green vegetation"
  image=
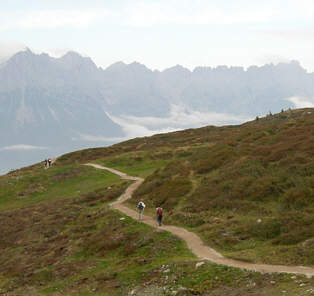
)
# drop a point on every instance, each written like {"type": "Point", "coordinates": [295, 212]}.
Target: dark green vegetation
{"type": "Point", "coordinates": [247, 190]}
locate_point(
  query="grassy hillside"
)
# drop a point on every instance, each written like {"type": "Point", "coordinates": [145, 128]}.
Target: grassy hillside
{"type": "Point", "coordinates": [247, 190]}
{"type": "Point", "coordinates": [58, 237]}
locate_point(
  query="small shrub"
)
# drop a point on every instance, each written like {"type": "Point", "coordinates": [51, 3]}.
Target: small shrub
{"type": "Point", "coordinates": [188, 219]}
{"type": "Point", "coordinates": [267, 229]}
{"type": "Point", "coordinates": [295, 236]}
{"type": "Point", "coordinates": [296, 198]}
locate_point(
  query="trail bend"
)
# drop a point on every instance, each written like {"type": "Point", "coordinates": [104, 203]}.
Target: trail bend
{"type": "Point", "coordinates": [192, 240]}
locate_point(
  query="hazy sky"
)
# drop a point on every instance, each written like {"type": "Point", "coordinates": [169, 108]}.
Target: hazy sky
{"type": "Point", "coordinates": [163, 33]}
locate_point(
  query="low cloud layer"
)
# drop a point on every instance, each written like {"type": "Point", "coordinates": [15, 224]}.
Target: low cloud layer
{"type": "Point", "coordinates": [302, 102]}
{"type": "Point", "coordinates": [22, 147]}
{"type": "Point", "coordinates": [180, 118]}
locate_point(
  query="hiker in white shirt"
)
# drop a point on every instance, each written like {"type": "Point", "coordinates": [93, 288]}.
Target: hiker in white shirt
{"type": "Point", "coordinates": [140, 208]}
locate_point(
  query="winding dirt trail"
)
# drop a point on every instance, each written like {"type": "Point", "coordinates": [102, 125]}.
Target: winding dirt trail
{"type": "Point", "coordinates": [192, 240]}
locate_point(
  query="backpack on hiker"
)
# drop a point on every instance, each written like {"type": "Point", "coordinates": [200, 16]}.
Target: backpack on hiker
{"type": "Point", "coordinates": [159, 211]}
{"type": "Point", "coordinates": [140, 206]}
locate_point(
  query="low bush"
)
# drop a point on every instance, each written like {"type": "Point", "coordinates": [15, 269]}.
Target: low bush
{"type": "Point", "coordinates": [297, 198]}
{"type": "Point", "coordinates": [266, 229]}
{"type": "Point", "coordinates": [295, 236]}
{"type": "Point", "coordinates": [188, 219]}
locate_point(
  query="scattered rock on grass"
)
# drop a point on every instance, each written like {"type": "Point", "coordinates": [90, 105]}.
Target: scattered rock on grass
{"type": "Point", "coordinates": [199, 264]}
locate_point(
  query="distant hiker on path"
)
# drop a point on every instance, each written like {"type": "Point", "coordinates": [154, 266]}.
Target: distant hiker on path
{"type": "Point", "coordinates": [140, 208]}
{"type": "Point", "coordinates": [49, 162]}
{"type": "Point", "coordinates": [159, 215]}
{"type": "Point", "coordinates": [46, 163]}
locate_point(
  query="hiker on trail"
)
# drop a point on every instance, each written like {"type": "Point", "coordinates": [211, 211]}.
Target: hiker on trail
{"type": "Point", "coordinates": [49, 162]}
{"type": "Point", "coordinates": [159, 215]}
{"type": "Point", "coordinates": [140, 208]}
{"type": "Point", "coordinates": [46, 163]}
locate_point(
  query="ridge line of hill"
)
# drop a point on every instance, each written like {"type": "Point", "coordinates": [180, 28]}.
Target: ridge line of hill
{"type": "Point", "coordinates": [192, 240]}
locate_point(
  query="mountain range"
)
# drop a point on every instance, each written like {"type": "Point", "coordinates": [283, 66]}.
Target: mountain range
{"type": "Point", "coordinates": [53, 105]}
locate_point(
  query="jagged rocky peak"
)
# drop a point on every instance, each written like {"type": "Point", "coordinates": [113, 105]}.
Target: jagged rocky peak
{"type": "Point", "coordinates": [133, 67]}
{"type": "Point", "coordinates": [177, 69]}
{"type": "Point", "coordinates": [23, 55]}
{"type": "Point", "coordinates": [26, 51]}
{"type": "Point", "coordinates": [202, 69]}
{"type": "Point", "coordinates": [72, 58]}
{"type": "Point", "coordinates": [136, 67]}
{"type": "Point", "coordinates": [292, 66]}
{"type": "Point", "coordinates": [116, 66]}
{"type": "Point", "coordinates": [72, 55]}
{"type": "Point", "coordinates": [27, 59]}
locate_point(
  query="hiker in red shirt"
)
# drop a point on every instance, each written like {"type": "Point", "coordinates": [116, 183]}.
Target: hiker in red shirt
{"type": "Point", "coordinates": [159, 215]}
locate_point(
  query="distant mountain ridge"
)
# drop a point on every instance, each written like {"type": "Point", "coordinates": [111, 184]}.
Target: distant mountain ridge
{"type": "Point", "coordinates": [56, 102]}
{"type": "Point", "coordinates": [123, 88]}
{"type": "Point", "coordinates": [234, 90]}
{"type": "Point", "coordinates": [49, 103]}
{"type": "Point", "coordinates": [47, 100]}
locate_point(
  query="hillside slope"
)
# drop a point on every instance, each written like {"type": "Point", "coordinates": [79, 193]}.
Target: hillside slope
{"type": "Point", "coordinates": [247, 190]}
{"type": "Point", "coordinates": [58, 237]}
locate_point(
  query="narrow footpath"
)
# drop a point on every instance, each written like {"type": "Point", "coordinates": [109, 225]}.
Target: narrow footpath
{"type": "Point", "coordinates": [192, 240]}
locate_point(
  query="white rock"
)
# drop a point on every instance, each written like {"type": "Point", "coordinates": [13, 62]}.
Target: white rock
{"type": "Point", "coordinates": [259, 220]}
{"type": "Point", "coordinates": [199, 264]}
